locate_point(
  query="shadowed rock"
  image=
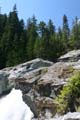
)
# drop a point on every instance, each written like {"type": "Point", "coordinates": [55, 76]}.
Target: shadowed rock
{"type": "Point", "coordinates": [31, 104]}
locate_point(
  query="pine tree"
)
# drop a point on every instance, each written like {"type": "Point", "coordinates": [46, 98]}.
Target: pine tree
{"type": "Point", "coordinates": [43, 32]}
{"type": "Point", "coordinates": [75, 34]}
{"type": "Point", "coordinates": [32, 35]}
{"type": "Point", "coordinates": [66, 32]}
{"type": "Point", "coordinates": [3, 19]}
{"type": "Point", "coordinates": [10, 37]}
{"type": "Point", "coordinates": [51, 27]}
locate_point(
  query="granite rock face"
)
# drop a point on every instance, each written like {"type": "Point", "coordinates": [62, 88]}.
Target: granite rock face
{"type": "Point", "coordinates": [55, 78]}
{"type": "Point", "coordinates": [41, 81]}
{"type": "Point", "coordinates": [27, 73]}
{"type": "Point", "coordinates": [72, 56]}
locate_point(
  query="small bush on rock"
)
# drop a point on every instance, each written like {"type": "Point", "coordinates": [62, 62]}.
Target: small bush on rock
{"type": "Point", "coordinates": [67, 98]}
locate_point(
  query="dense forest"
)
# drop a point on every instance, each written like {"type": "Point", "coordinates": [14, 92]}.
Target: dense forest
{"type": "Point", "coordinates": [20, 42]}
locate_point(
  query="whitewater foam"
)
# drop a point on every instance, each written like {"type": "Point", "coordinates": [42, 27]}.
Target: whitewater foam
{"type": "Point", "coordinates": [12, 107]}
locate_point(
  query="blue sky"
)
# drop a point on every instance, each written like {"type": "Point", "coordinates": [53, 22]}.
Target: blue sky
{"type": "Point", "coordinates": [44, 9]}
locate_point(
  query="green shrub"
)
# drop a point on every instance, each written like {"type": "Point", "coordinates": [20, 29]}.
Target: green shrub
{"type": "Point", "coordinates": [65, 101]}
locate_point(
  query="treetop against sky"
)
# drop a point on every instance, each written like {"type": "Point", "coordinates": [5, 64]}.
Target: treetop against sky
{"type": "Point", "coordinates": [44, 9]}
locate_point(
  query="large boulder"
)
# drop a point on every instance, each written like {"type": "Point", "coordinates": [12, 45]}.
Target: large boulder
{"type": "Point", "coordinates": [29, 79]}
{"type": "Point", "coordinates": [21, 69]}
{"type": "Point", "coordinates": [56, 77]}
{"type": "Point", "coordinates": [71, 56]}
{"type": "Point", "coordinates": [26, 73]}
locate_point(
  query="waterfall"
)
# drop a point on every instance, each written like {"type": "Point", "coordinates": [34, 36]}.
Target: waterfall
{"type": "Point", "coordinates": [12, 107]}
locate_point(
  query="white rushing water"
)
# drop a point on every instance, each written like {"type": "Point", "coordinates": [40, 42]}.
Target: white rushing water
{"type": "Point", "coordinates": [12, 107]}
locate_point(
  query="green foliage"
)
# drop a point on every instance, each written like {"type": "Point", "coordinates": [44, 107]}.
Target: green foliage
{"type": "Point", "coordinates": [19, 43]}
{"type": "Point", "coordinates": [32, 35]}
{"type": "Point", "coordinates": [65, 33]}
{"type": "Point", "coordinates": [75, 33]}
{"type": "Point", "coordinates": [69, 94]}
